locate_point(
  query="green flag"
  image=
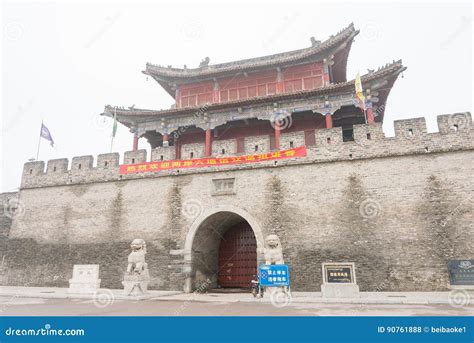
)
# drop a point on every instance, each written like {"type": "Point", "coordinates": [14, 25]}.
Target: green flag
{"type": "Point", "coordinates": [114, 126]}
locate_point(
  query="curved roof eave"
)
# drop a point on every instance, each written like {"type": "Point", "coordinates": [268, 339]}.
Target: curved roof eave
{"type": "Point", "coordinates": [132, 114]}
{"type": "Point", "coordinates": [209, 71]}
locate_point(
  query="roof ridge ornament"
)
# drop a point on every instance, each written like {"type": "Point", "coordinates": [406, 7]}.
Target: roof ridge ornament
{"type": "Point", "coordinates": [314, 42]}
{"type": "Point", "coordinates": [204, 62]}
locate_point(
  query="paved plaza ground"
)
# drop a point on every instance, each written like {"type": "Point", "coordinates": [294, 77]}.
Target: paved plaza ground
{"type": "Point", "coordinates": [52, 302]}
{"type": "Point", "coordinates": [157, 307]}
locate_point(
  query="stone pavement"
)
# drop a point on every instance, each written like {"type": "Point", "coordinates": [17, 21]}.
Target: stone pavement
{"type": "Point", "coordinates": [62, 293]}
{"type": "Point", "coordinates": [297, 297]}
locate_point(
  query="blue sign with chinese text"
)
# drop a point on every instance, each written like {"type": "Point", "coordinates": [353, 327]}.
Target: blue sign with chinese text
{"type": "Point", "coordinates": [274, 275]}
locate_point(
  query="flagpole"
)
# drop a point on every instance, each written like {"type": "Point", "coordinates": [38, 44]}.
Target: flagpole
{"type": "Point", "coordinates": [113, 133]}
{"type": "Point", "coordinates": [39, 142]}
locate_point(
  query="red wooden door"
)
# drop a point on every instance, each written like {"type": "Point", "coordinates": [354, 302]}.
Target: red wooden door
{"type": "Point", "coordinates": [237, 257]}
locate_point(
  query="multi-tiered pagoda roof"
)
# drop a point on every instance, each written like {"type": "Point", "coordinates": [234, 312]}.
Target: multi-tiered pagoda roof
{"type": "Point", "coordinates": [308, 84]}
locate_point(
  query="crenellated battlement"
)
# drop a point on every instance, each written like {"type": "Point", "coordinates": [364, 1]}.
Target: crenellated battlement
{"type": "Point", "coordinates": [411, 137]}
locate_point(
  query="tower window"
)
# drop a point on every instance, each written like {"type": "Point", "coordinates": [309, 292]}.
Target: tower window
{"type": "Point", "coordinates": [133, 160]}
{"type": "Point", "coordinates": [191, 154]}
{"type": "Point", "coordinates": [240, 145]}
{"type": "Point", "coordinates": [223, 151]}
{"type": "Point", "coordinates": [105, 164]}
{"type": "Point", "coordinates": [291, 144]}
{"type": "Point", "coordinates": [369, 137]}
{"type": "Point", "coordinates": [256, 148]}
{"type": "Point", "coordinates": [161, 157]}
{"type": "Point", "coordinates": [328, 140]}
{"type": "Point", "coordinates": [410, 132]}
{"type": "Point", "coordinates": [79, 166]}
{"type": "Point", "coordinates": [455, 127]}
{"type": "Point", "coordinates": [348, 134]}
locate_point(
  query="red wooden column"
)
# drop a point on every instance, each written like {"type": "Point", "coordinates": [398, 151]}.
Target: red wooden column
{"type": "Point", "coordinates": [165, 140]}
{"type": "Point", "coordinates": [327, 62]}
{"type": "Point", "coordinates": [177, 97]}
{"type": "Point", "coordinates": [328, 120]}
{"type": "Point", "coordinates": [177, 149]}
{"type": "Point", "coordinates": [135, 142]}
{"type": "Point", "coordinates": [134, 131]}
{"type": "Point", "coordinates": [277, 135]}
{"type": "Point", "coordinates": [328, 115]}
{"type": "Point", "coordinates": [208, 147]}
{"type": "Point", "coordinates": [369, 110]}
{"type": "Point", "coordinates": [370, 115]}
{"type": "Point", "coordinates": [279, 81]}
{"type": "Point", "coordinates": [216, 98]}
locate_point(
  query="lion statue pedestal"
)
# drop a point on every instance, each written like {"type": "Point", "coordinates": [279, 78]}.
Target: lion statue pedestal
{"type": "Point", "coordinates": [136, 278]}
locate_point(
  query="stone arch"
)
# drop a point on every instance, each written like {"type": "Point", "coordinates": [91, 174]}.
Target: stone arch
{"type": "Point", "coordinates": [216, 221]}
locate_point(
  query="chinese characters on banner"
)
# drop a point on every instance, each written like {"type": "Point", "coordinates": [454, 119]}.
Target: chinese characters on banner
{"type": "Point", "coordinates": [274, 275]}
{"type": "Point", "coordinates": [210, 161]}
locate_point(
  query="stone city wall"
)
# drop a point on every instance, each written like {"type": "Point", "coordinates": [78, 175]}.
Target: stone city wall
{"type": "Point", "coordinates": [399, 207]}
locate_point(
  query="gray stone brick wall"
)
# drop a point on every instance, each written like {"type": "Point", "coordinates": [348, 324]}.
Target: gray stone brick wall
{"type": "Point", "coordinates": [196, 148]}
{"type": "Point", "coordinates": [6, 213]}
{"type": "Point", "coordinates": [9, 208]}
{"type": "Point", "coordinates": [297, 138]}
{"type": "Point", "coordinates": [261, 142]}
{"type": "Point", "coordinates": [228, 145]}
{"type": "Point", "coordinates": [132, 157]}
{"type": "Point", "coordinates": [163, 153]}
{"type": "Point", "coordinates": [399, 207]}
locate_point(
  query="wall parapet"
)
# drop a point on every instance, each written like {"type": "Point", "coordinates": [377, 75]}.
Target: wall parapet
{"type": "Point", "coordinates": [456, 132]}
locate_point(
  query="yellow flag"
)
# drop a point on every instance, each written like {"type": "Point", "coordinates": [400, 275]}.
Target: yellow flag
{"type": "Point", "coordinates": [359, 91]}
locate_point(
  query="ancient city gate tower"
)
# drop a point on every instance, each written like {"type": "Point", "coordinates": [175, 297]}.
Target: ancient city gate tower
{"type": "Point", "coordinates": [254, 106]}
{"type": "Point", "coordinates": [275, 144]}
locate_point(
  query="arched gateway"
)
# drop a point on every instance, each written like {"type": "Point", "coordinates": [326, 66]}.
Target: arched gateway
{"type": "Point", "coordinates": [222, 249]}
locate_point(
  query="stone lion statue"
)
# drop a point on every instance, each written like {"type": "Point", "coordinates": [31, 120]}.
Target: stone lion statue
{"type": "Point", "coordinates": [136, 259]}
{"type": "Point", "coordinates": [273, 251]}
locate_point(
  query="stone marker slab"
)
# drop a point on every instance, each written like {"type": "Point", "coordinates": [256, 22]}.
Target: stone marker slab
{"type": "Point", "coordinates": [461, 274]}
{"type": "Point", "coordinates": [85, 279]}
{"type": "Point", "coordinates": [339, 280]}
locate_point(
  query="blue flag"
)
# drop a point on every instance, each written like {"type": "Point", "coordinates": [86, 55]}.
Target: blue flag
{"type": "Point", "coordinates": [46, 134]}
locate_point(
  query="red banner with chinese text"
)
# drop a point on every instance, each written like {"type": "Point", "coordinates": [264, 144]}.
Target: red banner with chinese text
{"type": "Point", "coordinates": [210, 161]}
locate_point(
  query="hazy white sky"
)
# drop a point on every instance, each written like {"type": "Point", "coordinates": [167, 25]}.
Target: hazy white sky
{"type": "Point", "coordinates": [64, 62]}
